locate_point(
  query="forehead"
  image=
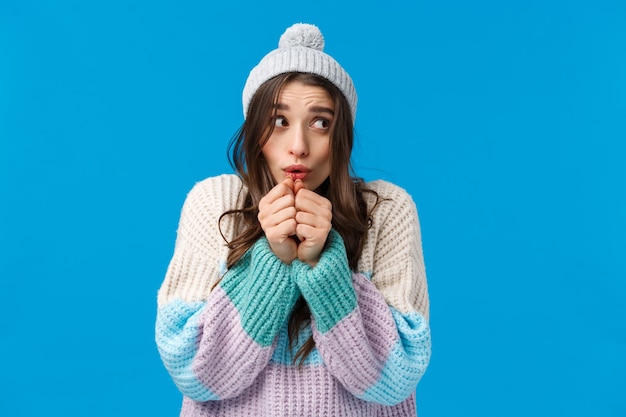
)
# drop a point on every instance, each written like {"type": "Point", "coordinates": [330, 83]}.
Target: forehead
{"type": "Point", "coordinates": [298, 93]}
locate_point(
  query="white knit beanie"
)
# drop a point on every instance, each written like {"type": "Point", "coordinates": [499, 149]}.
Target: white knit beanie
{"type": "Point", "coordinates": [300, 49]}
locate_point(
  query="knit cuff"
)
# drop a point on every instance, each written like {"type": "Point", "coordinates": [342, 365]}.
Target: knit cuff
{"type": "Point", "coordinates": [327, 287]}
{"type": "Point", "coordinates": [263, 291]}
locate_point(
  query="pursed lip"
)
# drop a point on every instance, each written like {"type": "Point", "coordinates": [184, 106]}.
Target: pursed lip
{"type": "Point", "coordinates": [296, 172]}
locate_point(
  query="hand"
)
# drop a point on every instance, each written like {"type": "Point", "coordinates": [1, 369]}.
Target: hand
{"type": "Point", "coordinates": [313, 223]}
{"type": "Point", "coordinates": [277, 216]}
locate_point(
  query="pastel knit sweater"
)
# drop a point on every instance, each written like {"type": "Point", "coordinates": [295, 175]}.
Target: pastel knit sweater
{"type": "Point", "coordinates": [222, 334]}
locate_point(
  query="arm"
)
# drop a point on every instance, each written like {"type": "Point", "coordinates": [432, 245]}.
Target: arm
{"type": "Point", "coordinates": [215, 349]}
{"type": "Point", "coordinates": [215, 345]}
{"type": "Point", "coordinates": [371, 334]}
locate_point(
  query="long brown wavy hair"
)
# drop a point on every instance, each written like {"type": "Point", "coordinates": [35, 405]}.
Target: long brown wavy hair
{"type": "Point", "coordinates": [351, 218]}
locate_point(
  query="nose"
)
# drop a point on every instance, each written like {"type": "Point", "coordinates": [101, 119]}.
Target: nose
{"type": "Point", "coordinates": [299, 143]}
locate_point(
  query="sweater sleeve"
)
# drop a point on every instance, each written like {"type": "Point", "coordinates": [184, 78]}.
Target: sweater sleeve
{"type": "Point", "coordinates": [214, 345]}
{"type": "Point", "coordinates": [215, 349]}
{"type": "Point", "coordinates": [373, 339]}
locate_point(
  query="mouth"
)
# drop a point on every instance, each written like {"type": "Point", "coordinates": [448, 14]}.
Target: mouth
{"type": "Point", "coordinates": [297, 172]}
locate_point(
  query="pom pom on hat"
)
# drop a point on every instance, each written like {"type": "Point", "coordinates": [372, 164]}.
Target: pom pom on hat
{"type": "Point", "coordinates": [302, 34]}
{"type": "Point", "coordinates": [300, 49]}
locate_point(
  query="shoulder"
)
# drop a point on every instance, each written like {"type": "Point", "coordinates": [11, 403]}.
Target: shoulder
{"type": "Point", "coordinates": [211, 197]}
{"type": "Point", "coordinates": [388, 198]}
{"type": "Point", "coordinates": [204, 205]}
{"type": "Point", "coordinates": [392, 253]}
{"type": "Point", "coordinates": [217, 186]}
{"type": "Point", "coordinates": [394, 220]}
{"type": "Point", "coordinates": [387, 189]}
{"type": "Point", "coordinates": [216, 193]}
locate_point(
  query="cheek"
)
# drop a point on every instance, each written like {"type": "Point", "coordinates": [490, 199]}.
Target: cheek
{"type": "Point", "coordinates": [269, 154]}
{"type": "Point", "coordinates": [324, 153]}
{"type": "Point", "coordinates": [267, 150]}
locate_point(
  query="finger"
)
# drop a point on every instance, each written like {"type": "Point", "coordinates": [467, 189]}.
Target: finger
{"type": "Point", "coordinates": [280, 196]}
{"type": "Point", "coordinates": [288, 182]}
{"type": "Point", "coordinates": [313, 220]}
{"type": "Point", "coordinates": [287, 213]}
{"type": "Point", "coordinates": [282, 231]}
{"type": "Point", "coordinates": [282, 189]}
{"type": "Point", "coordinates": [305, 194]}
{"type": "Point", "coordinates": [312, 202]}
{"type": "Point", "coordinates": [311, 236]}
{"type": "Point", "coordinates": [298, 185]}
{"type": "Point", "coordinates": [282, 202]}
{"type": "Point", "coordinates": [275, 214]}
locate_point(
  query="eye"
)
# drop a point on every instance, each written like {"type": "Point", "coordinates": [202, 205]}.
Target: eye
{"type": "Point", "coordinates": [280, 121]}
{"type": "Point", "coordinates": [321, 124]}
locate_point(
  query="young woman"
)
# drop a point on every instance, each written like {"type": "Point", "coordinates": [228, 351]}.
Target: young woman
{"type": "Point", "coordinates": [295, 288]}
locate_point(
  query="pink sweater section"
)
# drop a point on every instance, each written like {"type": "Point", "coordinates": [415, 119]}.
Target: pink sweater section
{"type": "Point", "coordinates": [287, 391]}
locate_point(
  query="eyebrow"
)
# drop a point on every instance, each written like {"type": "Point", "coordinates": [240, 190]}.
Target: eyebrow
{"type": "Point", "coordinates": [313, 109]}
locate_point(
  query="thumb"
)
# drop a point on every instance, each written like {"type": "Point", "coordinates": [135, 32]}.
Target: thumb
{"type": "Point", "coordinates": [298, 185]}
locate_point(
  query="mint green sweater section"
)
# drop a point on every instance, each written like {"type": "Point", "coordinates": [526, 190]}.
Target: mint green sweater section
{"type": "Point", "coordinates": [262, 289]}
{"type": "Point", "coordinates": [327, 287]}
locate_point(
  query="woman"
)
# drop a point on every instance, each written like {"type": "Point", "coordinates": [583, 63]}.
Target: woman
{"type": "Point", "coordinates": [296, 289]}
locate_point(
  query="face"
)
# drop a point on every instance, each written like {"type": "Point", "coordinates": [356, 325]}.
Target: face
{"type": "Point", "coordinates": [299, 146]}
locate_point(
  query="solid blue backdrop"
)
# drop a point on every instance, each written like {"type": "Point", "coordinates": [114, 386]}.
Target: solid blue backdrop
{"type": "Point", "coordinates": [504, 120]}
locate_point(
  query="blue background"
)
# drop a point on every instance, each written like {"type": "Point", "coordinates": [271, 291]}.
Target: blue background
{"type": "Point", "coordinates": [504, 120]}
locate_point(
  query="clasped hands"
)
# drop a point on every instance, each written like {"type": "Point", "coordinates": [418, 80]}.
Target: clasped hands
{"type": "Point", "coordinates": [296, 221]}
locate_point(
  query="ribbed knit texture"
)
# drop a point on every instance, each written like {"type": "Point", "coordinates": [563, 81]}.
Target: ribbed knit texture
{"type": "Point", "coordinates": [223, 337]}
{"type": "Point", "coordinates": [300, 49]}
{"type": "Point", "coordinates": [262, 290]}
{"type": "Point", "coordinates": [327, 288]}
